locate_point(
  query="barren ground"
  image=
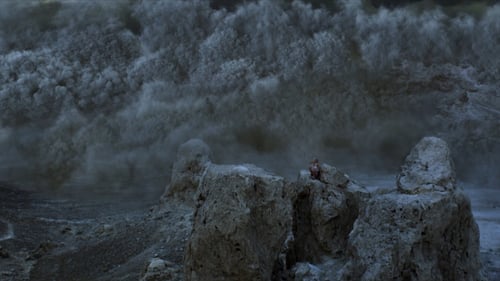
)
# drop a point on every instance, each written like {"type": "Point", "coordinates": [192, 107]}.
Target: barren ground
{"type": "Point", "coordinates": [69, 237]}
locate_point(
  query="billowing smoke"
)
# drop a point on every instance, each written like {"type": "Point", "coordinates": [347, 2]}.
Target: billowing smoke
{"type": "Point", "coordinates": [99, 94]}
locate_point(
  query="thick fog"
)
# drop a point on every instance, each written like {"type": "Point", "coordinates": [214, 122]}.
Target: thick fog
{"type": "Point", "coordinates": [99, 94]}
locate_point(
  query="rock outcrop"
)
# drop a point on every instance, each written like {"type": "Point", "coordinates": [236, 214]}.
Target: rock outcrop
{"type": "Point", "coordinates": [159, 270]}
{"type": "Point", "coordinates": [252, 225]}
{"type": "Point", "coordinates": [193, 157]}
{"type": "Point", "coordinates": [428, 236]}
{"type": "Point", "coordinates": [324, 213]}
{"type": "Point", "coordinates": [306, 272]}
{"type": "Point", "coordinates": [242, 223]}
{"type": "Point", "coordinates": [424, 230]}
{"type": "Point", "coordinates": [428, 167]}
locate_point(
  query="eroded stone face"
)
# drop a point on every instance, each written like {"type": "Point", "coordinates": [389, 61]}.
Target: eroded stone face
{"type": "Point", "coordinates": [424, 230]}
{"type": "Point", "coordinates": [242, 222]}
{"type": "Point", "coordinates": [252, 225]}
{"type": "Point", "coordinates": [430, 236]}
{"type": "Point", "coordinates": [323, 217]}
{"type": "Point", "coordinates": [428, 167]}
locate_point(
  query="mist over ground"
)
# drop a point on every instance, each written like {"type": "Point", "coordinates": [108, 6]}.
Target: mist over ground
{"type": "Point", "coordinates": [99, 94]}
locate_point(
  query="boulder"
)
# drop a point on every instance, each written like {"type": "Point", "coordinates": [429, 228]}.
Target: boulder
{"type": "Point", "coordinates": [428, 167]}
{"type": "Point", "coordinates": [306, 272]}
{"type": "Point", "coordinates": [326, 270]}
{"type": "Point", "coordinates": [332, 176]}
{"type": "Point", "coordinates": [159, 270]}
{"type": "Point", "coordinates": [251, 225]}
{"type": "Point", "coordinates": [428, 236]}
{"type": "Point", "coordinates": [193, 158]}
{"type": "Point", "coordinates": [333, 212]}
{"type": "Point", "coordinates": [242, 224]}
{"type": "Point", "coordinates": [324, 213]}
{"type": "Point", "coordinates": [424, 230]}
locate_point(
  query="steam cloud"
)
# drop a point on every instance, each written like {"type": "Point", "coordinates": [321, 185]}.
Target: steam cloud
{"type": "Point", "coordinates": [100, 93]}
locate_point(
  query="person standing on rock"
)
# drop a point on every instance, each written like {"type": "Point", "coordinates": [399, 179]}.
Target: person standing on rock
{"type": "Point", "coordinates": [315, 169]}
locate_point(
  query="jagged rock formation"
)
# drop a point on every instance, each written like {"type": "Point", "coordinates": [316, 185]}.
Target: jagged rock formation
{"type": "Point", "coordinates": [245, 223]}
{"type": "Point", "coordinates": [414, 237]}
{"type": "Point", "coordinates": [242, 222]}
{"type": "Point", "coordinates": [324, 212]}
{"type": "Point", "coordinates": [423, 231]}
{"type": "Point", "coordinates": [252, 225]}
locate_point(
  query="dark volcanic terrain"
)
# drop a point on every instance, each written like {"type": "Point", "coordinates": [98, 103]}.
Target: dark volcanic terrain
{"type": "Point", "coordinates": [70, 239]}
{"type": "Point", "coordinates": [66, 239]}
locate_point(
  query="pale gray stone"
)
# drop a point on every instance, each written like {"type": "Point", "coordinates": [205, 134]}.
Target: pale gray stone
{"type": "Point", "coordinates": [306, 272]}
{"type": "Point", "coordinates": [160, 270]}
{"type": "Point", "coordinates": [332, 176]}
{"type": "Point", "coordinates": [428, 236]}
{"type": "Point", "coordinates": [428, 167]}
{"type": "Point", "coordinates": [241, 225]}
